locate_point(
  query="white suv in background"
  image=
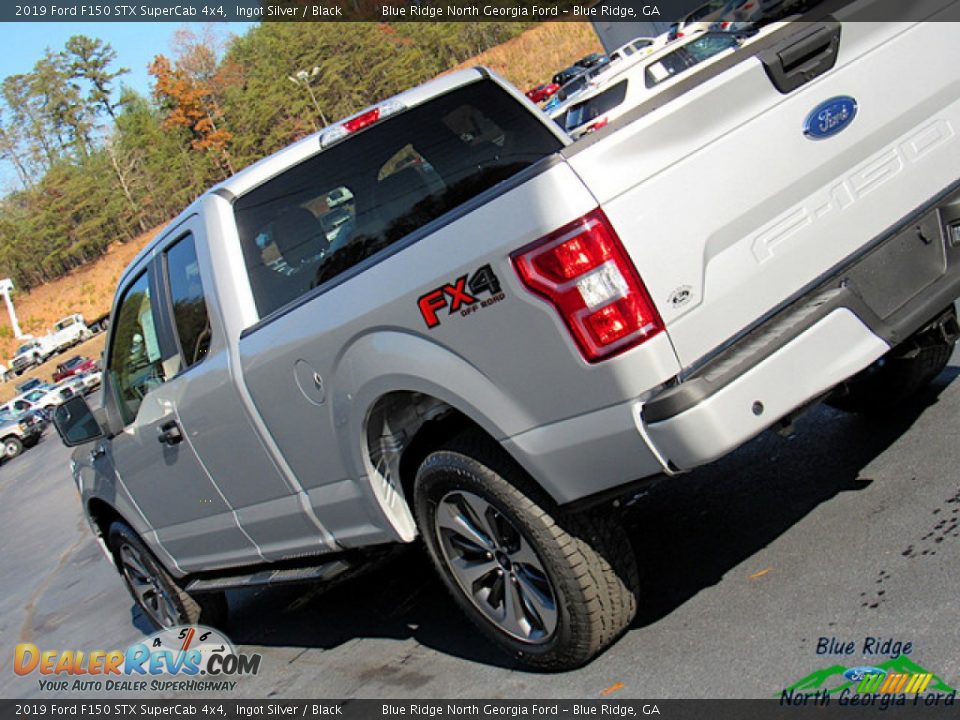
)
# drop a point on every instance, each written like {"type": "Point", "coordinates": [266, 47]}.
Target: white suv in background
{"type": "Point", "coordinates": [69, 331]}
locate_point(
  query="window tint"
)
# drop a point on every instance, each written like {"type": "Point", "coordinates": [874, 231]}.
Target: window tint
{"type": "Point", "coordinates": [356, 198]}
{"type": "Point", "coordinates": [189, 307]}
{"type": "Point", "coordinates": [573, 86]}
{"type": "Point", "coordinates": [596, 106]}
{"type": "Point", "coordinates": [134, 362]}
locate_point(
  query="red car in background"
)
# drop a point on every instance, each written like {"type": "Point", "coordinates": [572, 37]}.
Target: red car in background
{"type": "Point", "coordinates": [542, 92]}
{"type": "Point", "coordinates": [77, 365]}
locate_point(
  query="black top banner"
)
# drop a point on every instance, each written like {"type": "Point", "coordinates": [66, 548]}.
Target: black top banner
{"type": "Point", "coordinates": [662, 11]}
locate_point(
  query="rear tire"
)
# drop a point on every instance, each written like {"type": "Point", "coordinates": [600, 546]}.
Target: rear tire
{"type": "Point", "coordinates": [551, 588]}
{"type": "Point", "coordinates": [894, 378]}
{"type": "Point", "coordinates": [12, 446]}
{"type": "Point", "coordinates": [154, 590]}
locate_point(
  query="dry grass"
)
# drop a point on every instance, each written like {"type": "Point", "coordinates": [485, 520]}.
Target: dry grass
{"type": "Point", "coordinates": [533, 57]}
{"type": "Point", "coordinates": [526, 60]}
{"type": "Point", "coordinates": [87, 290]}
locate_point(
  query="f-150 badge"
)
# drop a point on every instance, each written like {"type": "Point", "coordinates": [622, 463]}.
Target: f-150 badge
{"type": "Point", "coordinates": [830, 117]}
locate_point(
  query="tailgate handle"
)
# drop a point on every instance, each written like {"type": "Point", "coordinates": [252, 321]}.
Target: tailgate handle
{"type": "Point", "coordinates": [803, 56]}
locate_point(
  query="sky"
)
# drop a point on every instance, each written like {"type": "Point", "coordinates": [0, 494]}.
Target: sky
{"type": "Point", "coordinates": [136, 44]}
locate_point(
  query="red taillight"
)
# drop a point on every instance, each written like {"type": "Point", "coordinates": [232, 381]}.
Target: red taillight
{"type": "Point", "coordinates": [583, 270]}
{"type": "Point", "coordinates": [597, 124]}
{"type": "Point", "coordinates": [362, 120]}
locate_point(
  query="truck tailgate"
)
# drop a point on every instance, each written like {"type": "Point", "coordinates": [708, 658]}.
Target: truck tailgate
{"type": "Point", "coordinates": [729, 210]}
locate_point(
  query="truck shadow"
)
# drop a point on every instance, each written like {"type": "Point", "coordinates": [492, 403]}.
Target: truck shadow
{"type": "Point", "coordinates": [692, 530]}
{"type": "Point", "coordinates": [688, 532]}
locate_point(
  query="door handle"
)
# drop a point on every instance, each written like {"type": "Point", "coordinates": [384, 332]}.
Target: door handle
{"type": "Point", "coordinates": [169, 433]}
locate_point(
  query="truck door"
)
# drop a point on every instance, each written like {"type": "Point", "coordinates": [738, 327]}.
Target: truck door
{"type": "Point", "coordinates": [153, 457]}
{"type": "Point", "coordinates": [214, 421]}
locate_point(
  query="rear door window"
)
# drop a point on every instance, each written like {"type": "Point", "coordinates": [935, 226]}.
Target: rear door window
{"type": "Point", "coordinates": [346, 204]}
{"type": "Point", "coordinates": [190, 317]}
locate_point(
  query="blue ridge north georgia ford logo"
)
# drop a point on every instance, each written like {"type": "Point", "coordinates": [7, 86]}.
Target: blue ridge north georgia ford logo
{"type": "Point", "coordinates": [830, 117]}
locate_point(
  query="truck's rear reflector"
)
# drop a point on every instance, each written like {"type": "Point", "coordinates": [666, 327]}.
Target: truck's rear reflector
{"type": "Point", "coordinates": [583, 270]}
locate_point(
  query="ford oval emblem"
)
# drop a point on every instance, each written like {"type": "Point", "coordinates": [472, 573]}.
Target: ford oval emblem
{"type": "Point", "coordinates": [830, 117]}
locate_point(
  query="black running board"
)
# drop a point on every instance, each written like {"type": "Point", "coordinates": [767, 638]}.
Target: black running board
{"type": "Point", "coordinates": [316, 573]}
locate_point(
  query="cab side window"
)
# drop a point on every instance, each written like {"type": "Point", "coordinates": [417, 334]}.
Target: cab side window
{"type": "Point", "coordinates": [135, 359]}
{"type": "Point", "coordinates": [187, 298]}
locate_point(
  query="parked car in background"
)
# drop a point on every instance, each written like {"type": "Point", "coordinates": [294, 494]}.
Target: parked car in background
{"type": "Point", "coordinates": [19, 431]}
{"type": "Point", "coordinates": [33, 352]}
{"type": "Point", "coordinates": [76, 365]}
{"type": "Point", "coordinates": [82, 383]}
{"type": "Point", "coordinates": [69, 331]}
{"type": "Point", "coordinates": [741, 14]}
{"type": "Point", "coordinates": [625, 88]}
{"type": "Point", "coordinates": [565, 95]}
{"type": "Point", "coordinates": [592, 60]}
{"type": "Point", "coordinates": [99, 323]}
{"type": "Point", "coordinates": [644, 45]}
{"type": "Point", "coordinates": [542, 92]}
{"type": "Point", "coordinates": [43, 398]}
{"type": "Point", "coordinates": [567, 74]}
{"type": "Point", "coordinates": [28, 385]}
{"type": "Point", "coordinates": [90, 381]}
{"type": "Point", "coordinates": [698, 21]}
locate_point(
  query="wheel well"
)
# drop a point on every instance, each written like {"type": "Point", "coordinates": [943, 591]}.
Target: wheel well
{"type": "Point", "coordinates": [402, 429]}
{"type": "Point", "coordinates": [431, 435]}
{"type": "Point", "coordinates": [103, 516]}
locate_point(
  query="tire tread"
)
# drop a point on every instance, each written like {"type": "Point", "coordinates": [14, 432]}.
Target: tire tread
{"type": "Point", "coordinates": [595, 554]}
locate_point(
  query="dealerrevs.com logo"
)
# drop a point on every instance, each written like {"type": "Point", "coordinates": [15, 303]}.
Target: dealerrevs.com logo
{"type": "Point", "coordinates": [186, 658]}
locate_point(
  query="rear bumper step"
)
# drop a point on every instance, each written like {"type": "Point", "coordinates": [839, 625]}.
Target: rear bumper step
{"type": "Point", "coordinates": [838, 346]}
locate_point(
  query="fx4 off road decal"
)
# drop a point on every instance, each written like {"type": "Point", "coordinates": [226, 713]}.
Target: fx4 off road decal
{"type": "Point", "coordinates": [461, 296]}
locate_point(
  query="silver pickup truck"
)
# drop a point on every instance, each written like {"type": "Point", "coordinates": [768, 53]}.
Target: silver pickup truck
{"type": "Point", "coordinates": [441, 318]}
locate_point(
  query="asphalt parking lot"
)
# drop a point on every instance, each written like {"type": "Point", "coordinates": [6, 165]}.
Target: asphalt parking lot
{"type": "Point", "coordinates": [846, 530]}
